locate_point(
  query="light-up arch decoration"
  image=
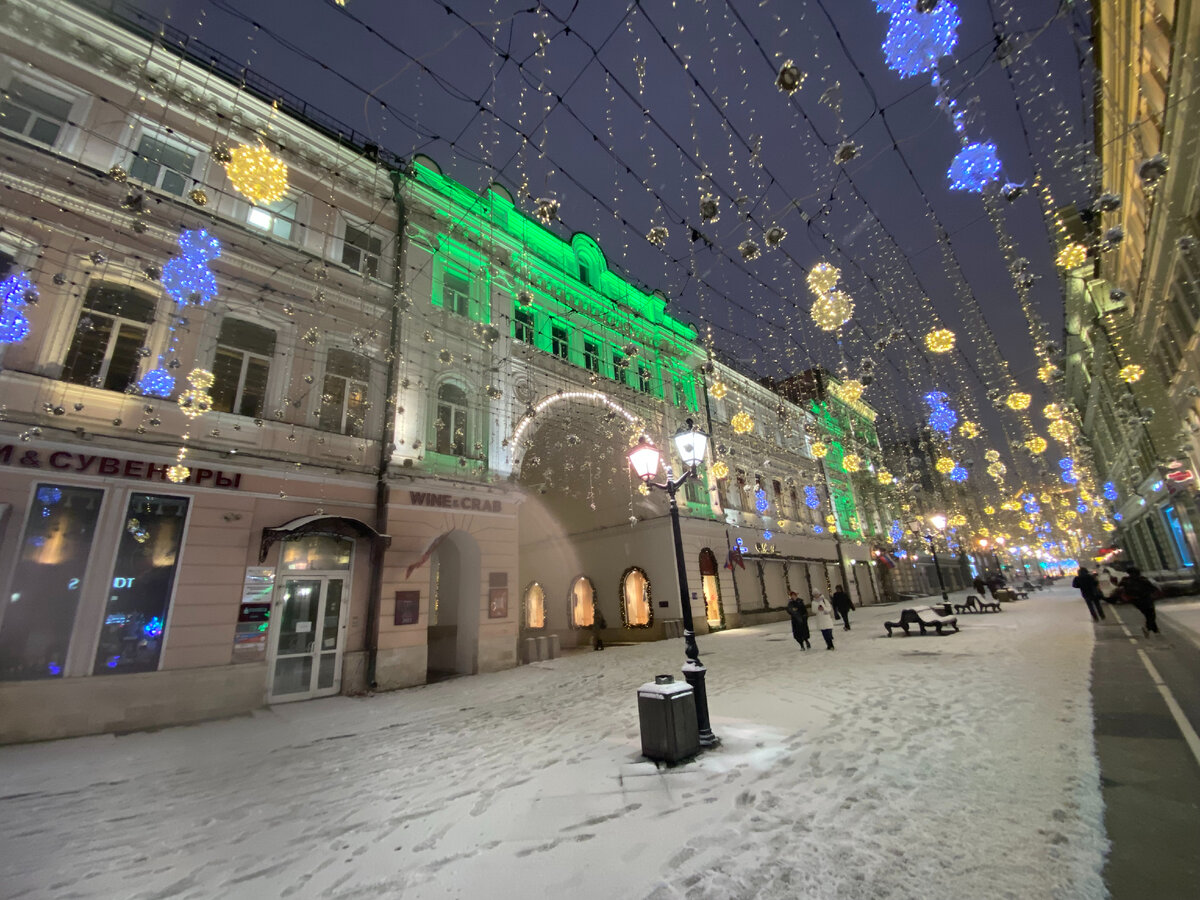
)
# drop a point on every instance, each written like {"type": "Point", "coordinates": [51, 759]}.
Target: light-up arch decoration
{"type": "Point", "coordinates": [597, 397]}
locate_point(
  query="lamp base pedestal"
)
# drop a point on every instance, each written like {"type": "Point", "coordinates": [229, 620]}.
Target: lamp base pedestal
{"type": "Point", "coordinates": [693, 673]}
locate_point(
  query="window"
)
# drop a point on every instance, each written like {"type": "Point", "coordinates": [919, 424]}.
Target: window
{"type": "Point", "coordinates": [361, 251]}
{"type": "Point", "coordinates": [619, 364]}
{"type": "Point", "coordinates": [635, 598]}
{"type": "Point", "coordinates": [523, 325]}
{"type": "Point", "coordinates": [162, 165]}
{"type": "Point", "coordinates": [644, 380]}
{"type": "Point", "coordinates": [135, 617]}
{"type": "Point", "coordinates": [591, 354]}
{"type": "Point", "coordinates": [451, 423]}
{"type": "Point", "coordinates": [113, 326]}
{"type": "Point", "coordinates": [241, 367]}
{"type": "Point", "coordinates": [32, 112]}
{"type": "Point", "coordinates": [583, 603]}
{"type": "Point", "coordinates": [35, 631]}
{"type": "Point", "coordinates": [560, 341]}
{"type": "Point", "coordinates": [278, 218]}
{"type": "Point", "coordinates": [456, 294]}
{"type": "Point", "coordinates": [344, 393]}
{"type": "Point", "coordinates": [585, 273]}
{"type": "Point", "coordinates": [535, 606]}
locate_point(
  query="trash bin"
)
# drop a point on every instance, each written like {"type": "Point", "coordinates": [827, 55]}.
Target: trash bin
{"type": "Point", "coordinates": [667, 711]}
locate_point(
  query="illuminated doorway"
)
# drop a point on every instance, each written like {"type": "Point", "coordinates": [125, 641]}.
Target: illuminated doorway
{"type": "Point", "coordinates": [710, 582]}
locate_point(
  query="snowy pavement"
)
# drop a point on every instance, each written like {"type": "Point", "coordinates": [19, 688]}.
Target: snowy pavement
{"type": "Point", "coordinates": [918, 767]}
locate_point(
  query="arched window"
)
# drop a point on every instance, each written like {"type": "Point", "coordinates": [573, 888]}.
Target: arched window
{"type": "Point", "coordinates": [534, 603]}
{"type": "Point", "coordinates": [451, 430]}
{"type": "Point", "coordinates": [583, 603]}
{"type": "Point", "coordinates": [635, 599]}
{"type": "Point", "coordinates": [710, 581]}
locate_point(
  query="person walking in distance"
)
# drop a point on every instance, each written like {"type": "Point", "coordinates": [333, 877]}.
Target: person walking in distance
{"type": "Point", "coordinates": [1089, 587]}
{"type": "Point", "coordinates": [842, 604]}
{"type": "Point", "coordinates": [799, 614]}
{"type": "Point", "coordinates": [1142, 592]}
{"type": "Point", "coordinates": [823, 618]}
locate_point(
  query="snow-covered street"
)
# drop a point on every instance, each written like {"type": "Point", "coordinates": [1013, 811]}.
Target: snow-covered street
{"type": "Point", "coordinates": [955, 767]}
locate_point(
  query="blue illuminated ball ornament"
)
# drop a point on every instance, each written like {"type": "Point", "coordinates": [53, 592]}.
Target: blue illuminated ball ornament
{"type": "Point", "coordinates": [13, 325]}
{"type": "Point", "coordinates": [1066, 463]}
{"type": "Point", "coordinates": [941, 416]}
{"type": "Point", "coordinates": [959, 474]}
{"type": "Point", "coordinates": [975, 167]}
{"type": "Point", "coordinates": [187, 278]}
{"type": "Point", "coordinates": [916, 41]}
{"type": "Point", "coordinates": [767, 535]}
{"type": "Point", "coordinates": [817, 529]}
{"type": "Point", "coordinates": [1110, 491]}
{"type": "Point", "coordinates": [811, 498]}
{"type": "Point", "coordinates": [895, 532]}
{"type": "Point", "coordinates": [1081, 508]}
{"type": "Point", "coordinates": [156, 383]}
{"type": "Point", "coordinates": [1117, 517]}
{"type": "Point", "coordinates": [49, 495]}
{"type": "Point", "coordinates": [1070, 477]}
{"type": "Point", "coordinates": [760, 500]}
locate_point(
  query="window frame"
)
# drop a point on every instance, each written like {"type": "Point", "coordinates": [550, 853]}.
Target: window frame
{"type": "Point", "coordinates": [101, 375]}
{"type": "Point", "coordinates": [592, 361]}
{"type": "Point", "coordinates": [130, 157]}
{"type": "Point", "coordinates": [348, 383]}
{"type": "Point", "coordinates": [468, 422]}
{"type": "Point", "coordinates": [247, 357]}
{"type": "Point", "coordinates": [524, 330]}
{"type": "Point", "coordinates": [293, 235]}
{"type": "Point", "coordinates": [371, 232]}
{"type": "Point", "coordinates": [76, 100]}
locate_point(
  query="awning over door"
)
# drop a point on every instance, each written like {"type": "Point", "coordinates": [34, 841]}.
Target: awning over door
{"type": "Point", "coordinates": [335, 526]}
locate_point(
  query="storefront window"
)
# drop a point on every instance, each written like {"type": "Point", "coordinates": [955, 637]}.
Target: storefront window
{"type": "Point", "coordinates": [316, 553]}
{"type": "Point", "coordinates": [635, 598]}
{"type": "Point", "coordinates": [135, 616]}
{"type": "Point", "coordinates": [35, 630]}
{"type": "Point", "coordinates": [535, 606]}
{"type": "Point", "coordinates": [583, 603]}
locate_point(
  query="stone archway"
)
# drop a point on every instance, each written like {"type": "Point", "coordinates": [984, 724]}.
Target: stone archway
{"type": "Point", "coordinates": [456, 607]}
{"type": "Point", "coordinates": [529, 421]}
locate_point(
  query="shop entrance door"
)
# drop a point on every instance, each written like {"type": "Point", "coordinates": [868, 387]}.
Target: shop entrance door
{"type": "Point", "coordinates": [310, 632]}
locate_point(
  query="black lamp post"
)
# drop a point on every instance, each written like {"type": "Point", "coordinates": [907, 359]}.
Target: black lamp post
{"type": "Point", "coordinates": [691, 443]}
{"type": "Point", "coordinates": [938, 522]}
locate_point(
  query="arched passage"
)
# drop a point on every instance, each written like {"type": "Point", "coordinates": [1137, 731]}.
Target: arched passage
{"type": "Point", "coordinates": [710, 582]}
{"type": "Point", "coordinates": [455, 607]}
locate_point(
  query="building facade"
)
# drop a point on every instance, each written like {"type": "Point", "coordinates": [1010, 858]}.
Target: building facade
{"type": "Point", "coordinates": [367, 433]}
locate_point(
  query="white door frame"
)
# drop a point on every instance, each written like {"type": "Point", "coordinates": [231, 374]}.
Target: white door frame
{"type": "Point", "coordinates": [324, 577]}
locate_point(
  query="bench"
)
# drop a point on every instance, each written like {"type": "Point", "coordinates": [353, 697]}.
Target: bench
{"type": "Point", "coordinates": [974, 604]}
{"type": "Point", "coordinates": [924, 618]}
{"type": "Point", "coordinates": [985, 605]}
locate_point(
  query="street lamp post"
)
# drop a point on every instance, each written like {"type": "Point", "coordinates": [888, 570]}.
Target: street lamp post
{"type": "Point", "coordinates": [691, 443]}
{"type": "Point", "coordinates": [917, 527]}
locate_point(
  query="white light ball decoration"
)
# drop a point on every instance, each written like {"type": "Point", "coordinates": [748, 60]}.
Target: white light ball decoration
{"type": "Point", "coordinates": [851, 391]}
{"type": "Point", "coordinates": [742, 423]}
{"type": "Point", "coordinates": [823, 277]}
{"type": "Point", "coordinates": [256, 174]}
{"type": "Point", "coordinates": [833, 310]}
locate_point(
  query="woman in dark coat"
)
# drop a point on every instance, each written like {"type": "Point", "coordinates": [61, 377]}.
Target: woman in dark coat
{"type": "Point", "coordinates": [1142, 592]}
{"type": "Point", "coordinates": [795, 608]}
{"type": "Point", "coordinates": [842, 604]}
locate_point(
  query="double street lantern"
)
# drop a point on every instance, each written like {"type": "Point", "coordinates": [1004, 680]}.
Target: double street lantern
{"type": "Point", "coordinates": [917, 527]}
{"type": "Point", "coordinates": [691, 444]}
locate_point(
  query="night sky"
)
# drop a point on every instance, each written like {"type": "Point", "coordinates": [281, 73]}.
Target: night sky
{"type": "Point", "coordinates": [632, 111]}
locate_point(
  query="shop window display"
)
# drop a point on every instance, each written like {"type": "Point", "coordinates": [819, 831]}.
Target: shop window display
{"type": "Point", "coordinates": [139, 598]}
{"type": "Point", "coordinates": [35, 631]}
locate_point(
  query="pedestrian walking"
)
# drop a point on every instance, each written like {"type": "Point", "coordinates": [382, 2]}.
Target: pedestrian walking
{"type": "Point", "coordinates": [799, 613]}
{"type": "Point", "coordinates": [1142, 592]}
{"type": "Point", "coordinates": [1089, 588]}
{"type": "Point", "coordinates": [842, 604]}
{"type": "Point", "coordinates": [980, 586]}
{"type": "Point", "coordinates": [823, 618]}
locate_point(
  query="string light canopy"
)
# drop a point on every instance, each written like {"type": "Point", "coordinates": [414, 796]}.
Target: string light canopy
{"type": "Point", "coordinates": [940, 340]}
{"type": "Point", "coordinates": [256, 174]}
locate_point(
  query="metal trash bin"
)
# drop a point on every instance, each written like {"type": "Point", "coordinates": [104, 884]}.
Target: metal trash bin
{"type": "Point", "coordinates": [667, 712]}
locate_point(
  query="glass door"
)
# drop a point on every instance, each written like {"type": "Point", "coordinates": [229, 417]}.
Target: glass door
{"type": "Point", "coordinates": [308, 637]}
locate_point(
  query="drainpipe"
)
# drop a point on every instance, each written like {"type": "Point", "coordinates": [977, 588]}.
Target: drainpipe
{"type": "Point", "coordinates": [387, 441]}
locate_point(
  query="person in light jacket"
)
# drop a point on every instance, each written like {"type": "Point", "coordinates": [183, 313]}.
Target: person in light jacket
{"type": "Point", "coordinates": [823, 618]}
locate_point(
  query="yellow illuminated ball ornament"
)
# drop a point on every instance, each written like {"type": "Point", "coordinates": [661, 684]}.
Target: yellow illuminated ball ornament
{"type": "Point", "coordinates": [851, 462]}
{"type": "Point", "coordinates": [940, 340]}
{"type": "Point", "coordinates": [823, 277]}
{"type": "Point", "coordinates": [957, 521]}
{"type": "Point", "coordinates": [851, 390]}
{"type": "Point", "coordinates": [1036, 444]}
{"type": "Point", "coordinates": [830, 311]}
{"type": "Point", "coordinates": [884, 476]}
{"type": "Point", "coordinates": [1071, 256]}
{"type": "Point", "coordinates": [1018, 400]}
{"type": "Point", "coordinates": [742, 423]}
{"type": "Point", "coordinates": [945, 465]}
{"type": "Point", "coordinates": [1052, 411]}
{"type": "Point", "coordinates": [1061, 430]}
{"type": "Point", "coordinates": [997, 470]}
{"type": "Point", "coordinates": [819, 450]}
{"type": "Point", "coordinates": [1047, 372]}
{"type": "Point", "coordinates": [718, 390]}
{"type": "Point", "coordinates": [988, 511]}
{"type": "Point", "coordinates": [969, 430]}
{"type": "Point", "coordinates": [720, 470]}
{"type": "Point", "coordinates": [992, 455]}
{"type": "Point", "coordinates": [1132, 373]}
{"type": "Point", "coordinates": [256, 174]}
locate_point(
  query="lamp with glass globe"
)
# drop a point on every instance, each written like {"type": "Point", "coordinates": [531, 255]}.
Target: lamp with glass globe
{"type": "Point", "coordinates": [691, 444]}
{"type": "Point", "coordinates": [917, 527]}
